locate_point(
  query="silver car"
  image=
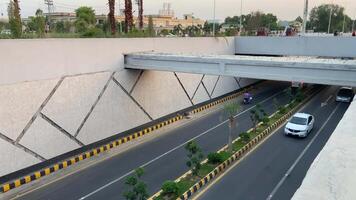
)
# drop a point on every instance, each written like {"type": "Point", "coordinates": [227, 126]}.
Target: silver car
{"type": "Point", "coordinates": [345, 94]}
{"type": "Point", "coordinates": [301, 124]}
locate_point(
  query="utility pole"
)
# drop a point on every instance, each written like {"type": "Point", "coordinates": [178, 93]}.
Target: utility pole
{"type": "Point", "coordinates": [49, 4]}
{"type": "Point", "coordinates": [331, 11]}
{"type": "Point", "coordinates": [305, 17]}
{"type": "Point", "coordinates": [214, 19]}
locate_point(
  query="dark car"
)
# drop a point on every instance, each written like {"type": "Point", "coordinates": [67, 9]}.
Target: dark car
{"type": "Point", "coordinates": [345, 94]}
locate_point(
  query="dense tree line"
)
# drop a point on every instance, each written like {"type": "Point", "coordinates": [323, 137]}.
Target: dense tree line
{"type": "Point", "coordinates": [86, 24]}
{"type": "Point", "coordinates": [319, 19]}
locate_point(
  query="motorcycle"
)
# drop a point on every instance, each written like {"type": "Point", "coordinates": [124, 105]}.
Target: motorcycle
{"type": "Point", "coordinates": [247, 99]}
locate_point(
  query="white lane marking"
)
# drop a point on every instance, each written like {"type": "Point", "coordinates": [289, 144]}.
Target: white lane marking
{"type": "Point", "coordinates": [325, 103]}
{"type": "Point", "coordinates": [250, 152]}
{"type": "Point", "coordinates": [175, 148]}
{"type": "Point", "coordinates": [300, 156]}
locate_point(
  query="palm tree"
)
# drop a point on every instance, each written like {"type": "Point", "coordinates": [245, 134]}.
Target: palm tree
{"type": "Point", "coordinates": [128, 16]}
{"type": "Point", "coordinates": [200, 29]}
{"type": "Point", "coordinates": [175, 30]}
{"type": "Point", "coordinates": [140, 13]}
{"type": "Point", "coordinates": [230, 110]}
{"type": "Point", "coordinates": [178, 30]}
{"type": "Point", "coordinates": [15, 18]}
{"type": "Point", "coordinates": [111, 16]}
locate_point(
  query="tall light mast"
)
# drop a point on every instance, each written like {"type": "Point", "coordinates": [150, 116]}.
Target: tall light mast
{"type": "Point", "coordinates": [305, 17]}
{"type": "Point", "coordinates": [49, 4]}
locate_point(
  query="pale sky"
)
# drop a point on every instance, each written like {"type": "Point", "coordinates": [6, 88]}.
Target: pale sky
{"type": "Point", "coordinates": [284, 9]}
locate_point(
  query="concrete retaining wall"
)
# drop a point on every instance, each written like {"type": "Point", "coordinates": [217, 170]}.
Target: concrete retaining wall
{"type": "Point", "coordinates": [58, 95]}
{"type": "Point", "coordinates": [297, 46]}
{"type": "Point", "coordinates": [27, 60]}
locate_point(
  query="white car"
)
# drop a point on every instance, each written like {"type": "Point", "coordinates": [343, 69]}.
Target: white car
{"type": "Point", "coordinates": [301, 124]}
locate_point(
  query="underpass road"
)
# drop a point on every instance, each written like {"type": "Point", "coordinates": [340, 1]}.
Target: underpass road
{"type": "Point", "coordinates": [164, 157]}
{"type": "Point", "coordinates": [261, 173]}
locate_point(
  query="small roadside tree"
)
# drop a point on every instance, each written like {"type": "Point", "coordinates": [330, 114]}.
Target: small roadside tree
{"type": "Point", "coordinates": [289, 94]}
{"type": "Point", "coordinates": [138, 189]}
{"type": "Point", "coordinates": [275, 104]}
{"type": "Point", "coordinates": [245, 137]}
{"type": "Point", "coordinates": [85, 18]}
{"type": "Point", "coordinates": [170, 189]}
{"type": "Point", "coordinates": [230, 110]}
{"type": "Point", "coordinates": [258, 115]}
{"type": "Point", "coordinates": [195, 156]}
{"type": "Point", "coordinates": [38, 23]}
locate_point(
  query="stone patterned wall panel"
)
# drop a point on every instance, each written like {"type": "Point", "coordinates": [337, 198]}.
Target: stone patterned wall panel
{"type": "Point", "coordinates": [114, 113]}
{"type": "Point", "coordinates": [225, 85]}
{"type": "Point", "coordinates": [127, 78]}
{"type": "Point", "coordinates": [209, 82]}
{"type": "Point", "coordinates": [160, 93]}
{"type": "Point", "coordinates": [19, 102]}
{"type": "Point", "coordinates": [12, 158]}
{"type": "Point", "coordinates": [46, 140]}
{"type": "Point", "coordinates": [190, 82]}
{"type": "Point", "coordinates": [74, 98]}
{"type": "Point", "coordinates": [201, 95]}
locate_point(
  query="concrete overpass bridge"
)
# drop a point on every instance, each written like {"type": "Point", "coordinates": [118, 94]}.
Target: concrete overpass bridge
{"type": "Point", "coordinates": [295, 69]}
{"type": "Point", "coordinates": [320, 60]}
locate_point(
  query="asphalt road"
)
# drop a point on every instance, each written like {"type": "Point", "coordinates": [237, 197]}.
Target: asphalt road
{"type": "Point", "coordinates": [261, 174]}
{"type": "Point", "coordinates": [163, 158]}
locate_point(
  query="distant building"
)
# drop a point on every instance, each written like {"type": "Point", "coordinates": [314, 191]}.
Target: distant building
{"type": "Point", "coordinates": [296, 25]}
{"type": "Point", "coordinates": [164, 20]}
{"type": "Point", "coordinates": [61, 16]}
{"type": "Point", "coordinates": [292, 24]}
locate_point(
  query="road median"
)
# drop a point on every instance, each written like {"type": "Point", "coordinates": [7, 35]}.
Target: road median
{"type": "Point", "coordinates": [189, 184]}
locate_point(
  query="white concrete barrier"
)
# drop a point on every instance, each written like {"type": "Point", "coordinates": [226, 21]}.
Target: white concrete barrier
{"type": "Point", "coordinates": [297, 46]}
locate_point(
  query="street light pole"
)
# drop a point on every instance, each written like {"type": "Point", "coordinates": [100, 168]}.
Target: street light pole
{"type": "Point", "coordinates": [214, 19]}
{"type": "Point", "coordinates": [331, 10]}
{"type": "Point", "coordinates": [241, 17]}
{"type": "Point", "coordinates": [119, 15]}
{"type": "Point", "coordinates": [305, 17]}
{"type": "Point", "coordinates": [343, 24]}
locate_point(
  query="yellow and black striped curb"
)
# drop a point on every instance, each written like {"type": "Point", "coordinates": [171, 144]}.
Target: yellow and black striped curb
{"type": "Point", "coordinates": [270, 128]}
{"type": "Point", "coordinates": [239, 154]}
{"type": "Point", "coordinates": [44, 172]}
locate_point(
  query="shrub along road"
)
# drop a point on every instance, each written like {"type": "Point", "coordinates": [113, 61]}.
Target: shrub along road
{"type": "Point", "coordinates": [261, 175]}
{"type": "Point", "coordinates": [164, 158]}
